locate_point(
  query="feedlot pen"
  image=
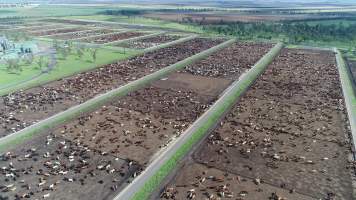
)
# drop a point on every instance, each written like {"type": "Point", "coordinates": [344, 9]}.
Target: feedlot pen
{"type": "Point", "coordinates": [21, 109]}
{"type": "Point", "coordinates": [97, 154]}
{"type": "Point", "coordinates": [286, 138]}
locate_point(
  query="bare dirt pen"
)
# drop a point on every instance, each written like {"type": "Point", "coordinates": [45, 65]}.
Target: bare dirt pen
{"type": "Point", "coordinates": [55, 31]}
{"type": "Point", "coordinates": [51, 167]}
{"type": "Point", "coordinates": [76, 35]}
{"type": "Point", "coordinates": [95, 151]}
{"type": "Point", "coordinates": [29, 24]}
{"type": "Point", "coordinates": [21, 109]}
{"type": "Point", "coordinates": [101, 150]}
{"type": "Point", "coordinates": [137, 126]}
{"type": "Point", "coordinates": [112, 37]}
{"type": "Point", "coordinates": [150, 42]}
{"type": "Point", "coordinates": [286, 138]}
{"type": "Point", "coordinates": [40, 27]}
{"type": "Point", "coordinates": [231, 62]}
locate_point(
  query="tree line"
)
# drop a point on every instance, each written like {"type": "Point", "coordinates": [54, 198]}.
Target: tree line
{"type": "Point", "coordinates": [292, 32]}
{"type": "Point", "coordinates": [123, 12]}
{"type": "Point", "coordinates": [137, 12]}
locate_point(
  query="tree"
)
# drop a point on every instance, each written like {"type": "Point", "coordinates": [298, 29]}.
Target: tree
{"type": "Point", "coordinates": [29, 58]}
{"type": "Point", "coordinates": [93, 53]}
{"type": "Point", "coordinates": [27, 37]}
{"type": "Point", "coordinates": [16, 37]}
{"type": "Point", "coordinates": [42, 62]}
{"type": "Point", "coordinates": [64, 52]}
{"type": "Point", "coordinates": [80, 52]}
{"type": "Point", "coordinates": [13, 65]}
{"type": "Point", "coordinates": [69, 47]}
{"type": "Point", "coordinates": [55, 44]}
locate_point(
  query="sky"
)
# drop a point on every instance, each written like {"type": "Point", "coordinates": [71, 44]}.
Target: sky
{"type": "Point", "coordinates": [253, 2]}
{"type": "Point", "coordinates": [264, 2]}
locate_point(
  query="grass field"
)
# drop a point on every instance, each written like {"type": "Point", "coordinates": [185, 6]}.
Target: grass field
{"type": "Point", "coordinates": [28, 71]}
{"type": "Point", "coordinates": [140, 20]}
{"type": "Point", "coordinates": [50, 10]}
{"type": "Point", "coordinates": [65, 67]}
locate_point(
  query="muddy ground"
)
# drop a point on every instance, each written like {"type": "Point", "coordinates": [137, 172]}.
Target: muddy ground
{"type": "Point", "coordinates": [77, 35]}
{"type": "Point", "coordinates": [149, 42]}
{"type": "Point", "coordinates": [285, 139]}
{"type": "Point", "coordinates": [21, 109]}
{"type": "Point", "coordinates": [113, 37]}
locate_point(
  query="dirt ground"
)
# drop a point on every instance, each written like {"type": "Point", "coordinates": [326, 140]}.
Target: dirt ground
{"type": "Point", "coordinates": [68, 21]}
{"type": "Point", "coordinates": [77, 35]}
{"type": "Point", "coordinates": [211, 183]}
{"type": "Point", "coordinates": [137, 126]}
{"type": "Point", "coordinates": [112, 37]}
{"type": "Point", "coordinates": [38, 27]}
{"type": "Point", "coordinates": [150, 42]}
{"type": "Point", "coordinates": [196, 83]}
{"type": "Point", "coordinates": [51, 167]}
{"type": "Point", "coordinates": [231, 62]}
{"type": "Point", "coordinates": [129, 130]}
{"type": "Point", "coordinates": [29, 24]}
{"type": "Point", "coordinates": [286, 137]}
{"type": "Point", "coordinates": [56, 31]}
{"type": "Point", "coordinates": [21, 109]}
{"type": "Point", "coordinates": [91, 157]}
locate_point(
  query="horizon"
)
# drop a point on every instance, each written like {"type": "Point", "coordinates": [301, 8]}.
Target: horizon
{"type": "Point", "coordinates": [235, 2]}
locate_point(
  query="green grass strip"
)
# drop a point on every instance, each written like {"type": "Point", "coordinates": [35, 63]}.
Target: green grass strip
{"type": "Point", "coordinates": [206, 122]}
{"type": "Point", "coordinates": [348, 91]}
{"type": "Point", "coordinates": [69, 67]}
{"type": "Point", "coordinates": [129, 54]}
{"type": "Point", "coordinates": [92, 104]}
